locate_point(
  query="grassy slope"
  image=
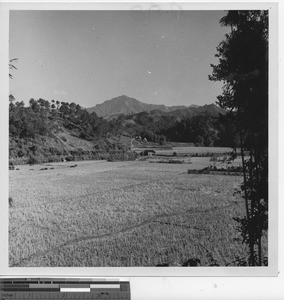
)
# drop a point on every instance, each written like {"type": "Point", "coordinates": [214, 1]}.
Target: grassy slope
{"type": "Point", "coordinates": [59, 145]}
{"type": "Point", "coordinates": [47, 148]}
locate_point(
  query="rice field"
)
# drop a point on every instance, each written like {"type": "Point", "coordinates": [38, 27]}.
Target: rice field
{"type": "Point", "coordinates": [99, 213]}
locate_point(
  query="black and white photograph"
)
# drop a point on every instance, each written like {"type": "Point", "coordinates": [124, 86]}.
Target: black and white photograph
{"type": "Point", "coordinates": [139, 138]}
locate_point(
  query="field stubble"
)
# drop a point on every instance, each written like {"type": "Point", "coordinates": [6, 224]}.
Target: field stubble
{"type": "Point", "coordinates": [122, 214]}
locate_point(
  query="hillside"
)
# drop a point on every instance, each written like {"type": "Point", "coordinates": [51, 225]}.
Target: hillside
{"type": "Point", "coordinates": [54, 131]}
{"type": "Point", "coordinates": [58, 131]}
{"type": "Point", "coordinates": [193, 110]}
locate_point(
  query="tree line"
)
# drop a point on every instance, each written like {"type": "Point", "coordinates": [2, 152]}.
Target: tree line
{"type": "Point", "coordinates": [42, 117]}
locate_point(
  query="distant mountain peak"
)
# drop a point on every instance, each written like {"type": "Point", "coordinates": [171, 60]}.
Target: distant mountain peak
{"type": "Point", "coordinates": [123, 105]}
{"type": "Point", "coordinates": [126, 105]}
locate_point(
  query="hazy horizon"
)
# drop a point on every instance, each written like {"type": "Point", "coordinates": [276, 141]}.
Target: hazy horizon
{"type": "Point", "coordinates": [88, 57]}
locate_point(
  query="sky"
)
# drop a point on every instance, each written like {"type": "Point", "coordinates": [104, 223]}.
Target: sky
{"type": "Point", "coordinates": [87, 57]}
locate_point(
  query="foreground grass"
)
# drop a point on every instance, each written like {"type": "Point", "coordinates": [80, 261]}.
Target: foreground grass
{"type": "Point", "coordinates": [122, 214]}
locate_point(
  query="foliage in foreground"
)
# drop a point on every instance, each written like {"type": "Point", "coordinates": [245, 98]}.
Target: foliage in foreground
{"type": "Point", "coordinates": [243, 67]}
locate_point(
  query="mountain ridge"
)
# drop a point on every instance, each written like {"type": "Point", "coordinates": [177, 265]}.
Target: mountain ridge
{"type": "Point", "coordinates": [125, 105]}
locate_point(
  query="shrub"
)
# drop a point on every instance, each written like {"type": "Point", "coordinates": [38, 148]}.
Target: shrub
{"type": "Point", "coordinates": [54, 151]}
{"type": "Point", "coordinates": [70, 158]}
{"type": "Point", "coordinates": [171, 161]}
{"type": "Point", "coordinates": [20, 153]}
{"type": "Point", "coordinates": [32, 160]}
{"type": "Point", "coordinates": [11, 202]}
{"type": "Point", "coordinates": [33, 148]}
{"type": "Point", "coordinates": [53, 158]}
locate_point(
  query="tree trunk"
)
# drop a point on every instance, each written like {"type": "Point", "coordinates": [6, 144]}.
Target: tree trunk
{"type": "Point", "coordinates": [251, 244]}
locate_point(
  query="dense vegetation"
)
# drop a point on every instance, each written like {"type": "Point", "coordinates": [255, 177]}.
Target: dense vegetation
{"type": "Point", "coordinates": [42, 118]}
{"type": "Point", "coordinates": [243, 67]}
{"type": "Point", "coordinates": [51, 131]}
{"type": "Point", "coordinates": [204, 130]}
{"type": "Point", "coordinates": [45, 131]}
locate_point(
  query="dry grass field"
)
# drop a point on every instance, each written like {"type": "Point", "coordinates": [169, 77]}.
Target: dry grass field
{"type": "Point", "coordinates": [135, 213]}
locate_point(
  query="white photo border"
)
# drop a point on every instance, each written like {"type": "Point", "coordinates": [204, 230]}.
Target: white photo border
{"type": "Point", "coordinates": [271, 270]}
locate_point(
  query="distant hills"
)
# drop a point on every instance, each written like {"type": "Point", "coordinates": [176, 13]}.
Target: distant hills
{"type": "Point", "coordinates": [124, 105]}
{"type": "Point", "coordinates": [54, 131]}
